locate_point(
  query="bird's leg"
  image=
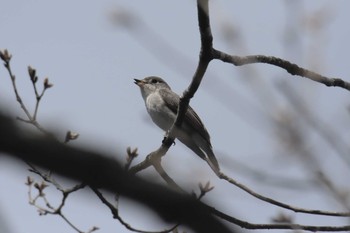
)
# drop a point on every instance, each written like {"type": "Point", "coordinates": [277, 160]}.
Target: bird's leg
{"type": "Point", "coordinates": [165, 137]}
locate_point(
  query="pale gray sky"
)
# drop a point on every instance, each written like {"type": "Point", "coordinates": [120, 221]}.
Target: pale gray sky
{"type": "Point", "coordinates": [92, 62]}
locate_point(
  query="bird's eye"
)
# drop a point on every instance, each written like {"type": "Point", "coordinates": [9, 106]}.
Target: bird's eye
{"type": "Point", "coordinates": [154, 81]}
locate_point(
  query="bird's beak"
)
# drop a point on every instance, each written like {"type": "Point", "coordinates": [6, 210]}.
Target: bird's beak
{"type": "Point", "coordinates": [139, 82]}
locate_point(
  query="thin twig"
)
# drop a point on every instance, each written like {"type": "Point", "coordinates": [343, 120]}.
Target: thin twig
{"type": "Point", "coordinates": [281, 204]}
{"type": "Point", "coordinates": [38, 98]}
{"type": "Point", "coordinates": [49, 209]}
{"type": "Point", "coordinates": [115, 212]}
{"type": "Point", "coordinates": [254, 226]}
{"type": "Point", "coordinates": [13, 81]}
{"type": "Point", "coordinates": [6, 57]}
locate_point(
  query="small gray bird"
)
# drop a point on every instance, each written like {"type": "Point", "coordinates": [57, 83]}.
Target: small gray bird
{"type": "Point", "coordinates": [162, 103]}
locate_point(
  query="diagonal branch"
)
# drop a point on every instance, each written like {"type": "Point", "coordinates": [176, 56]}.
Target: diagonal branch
{"type": "Point", "coordinates": [281, 204]}
{"type": "Point", "coordinates": [279, 226]}
{"type": "Point", "coordinates": [204, 59]}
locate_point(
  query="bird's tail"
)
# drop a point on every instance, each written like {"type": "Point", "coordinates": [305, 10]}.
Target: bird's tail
{"type": "Point", "coordinates": [213, 163]}
{"type": "Point", "coordinates": [205, 152]}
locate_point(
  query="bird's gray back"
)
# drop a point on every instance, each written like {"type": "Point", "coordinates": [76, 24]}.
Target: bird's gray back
{"type": "Point", "coordinates": [172, 100]}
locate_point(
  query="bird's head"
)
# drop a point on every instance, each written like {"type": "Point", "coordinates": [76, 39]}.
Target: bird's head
{"type": "Point", "coordinates": [151, 84]}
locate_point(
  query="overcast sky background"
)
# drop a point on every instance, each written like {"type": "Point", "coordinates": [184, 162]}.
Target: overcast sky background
{"type": "Point", "coordinates": [92, 58]}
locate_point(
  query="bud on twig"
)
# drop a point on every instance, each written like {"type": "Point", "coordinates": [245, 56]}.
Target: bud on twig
{"type": "Point", "coordinates": [5, 56]}
{"type": "Point", "coordinates": [206, 188]}
{"type": "Point", "coordinates": [131, 154]}
{"type": "Point", "coordinates": [29, 181]}
{"type": "Point", "coordinates": [71, 136]}
{"type": "Point", "coordinates": [282, 218]}
{"type": "Point", "coordinates": [32, 74]}
{"type": "Point", "coordinates": [93, 229]}
{"type": "Point", "coordinates": [47, 84]}
{"type": "Point", "coordinates": [41, 187]}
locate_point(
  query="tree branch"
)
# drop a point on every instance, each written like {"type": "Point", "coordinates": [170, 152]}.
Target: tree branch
{"type": "Point", "coordinates": [291, 68]}
{"type": "Point", "coordinates": [281, 204]}
{"type": "Point", "coordinates": [115, 212]}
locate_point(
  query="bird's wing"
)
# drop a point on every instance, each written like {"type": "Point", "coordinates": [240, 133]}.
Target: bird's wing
{"type": "Point", "coordinates": [172, 101]}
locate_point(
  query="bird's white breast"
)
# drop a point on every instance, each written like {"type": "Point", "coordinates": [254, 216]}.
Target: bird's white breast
{"type": "Point", "coordinates": [161, 115]}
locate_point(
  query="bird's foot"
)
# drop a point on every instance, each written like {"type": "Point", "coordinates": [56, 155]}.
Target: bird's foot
{"type": "Point", "coordinates": [164, 141]}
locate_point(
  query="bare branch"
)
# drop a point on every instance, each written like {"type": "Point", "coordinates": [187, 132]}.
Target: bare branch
{"type": "Point", "coordinates": [49, 209]}
{"type": "Point", "coordinates": [253, 226]}
{"type": "Point", "coordinates": [291, 68]}
{"type": "Point", "coordinates": [6, 57]}
{"type": "Point", "coordinates": [281, 204]}
{"type": "Point", "coordinates": [115, 212]}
